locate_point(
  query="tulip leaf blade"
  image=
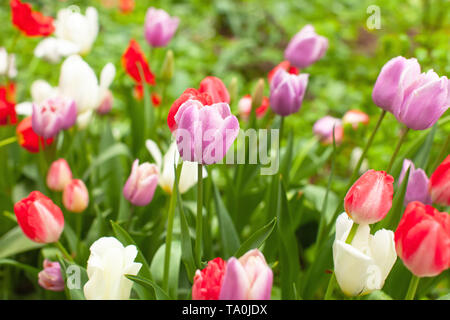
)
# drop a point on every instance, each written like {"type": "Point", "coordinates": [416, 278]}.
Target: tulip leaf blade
{"type": "Point", "coordinates": [71, 271]}
{"type": "Point", "coordinates": [257, 239]}
{"type": "Point", "coordinates": [150, 285]}
{"type": "Point", "coordinates": [31, 270]}
{"type": "Point", "coordinates": [228, 233]}
{"type": "Point", "coordinates": [14, 242]}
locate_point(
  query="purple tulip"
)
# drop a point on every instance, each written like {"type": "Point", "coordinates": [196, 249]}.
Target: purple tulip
{"type": "Point", "coordinates": [388, 84]}
{"type": "Point", "coordinates": [51, 277]}
{"type": "Point", "coordinates": [323, 128]}
{"type": "Point", "coordinates": [159, 27]}
{"type": "Point", "coordinates": [420, 102]}
{"type": "Point", "coordinates": [140, 186]}
{"type": "Point", "coordinates": [249, 278]}
{"type": "Point", "coordinates": [53, 115]}
{"type": "Point", "coordinates": [205, 133]}
{"type": "Point", "coordinates": [287, 92]}
{"type": "Point", "coordinates": [306, 47]}
{"type": "Point", "coordinates": [417, 188]}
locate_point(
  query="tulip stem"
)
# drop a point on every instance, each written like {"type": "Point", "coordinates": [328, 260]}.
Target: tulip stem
{"type": "Point", "coordinates": [412, 287]}
{"type": "Point", "coordinates": [199, 227]}
{"type": "Point", "coordinates": [64, 252]}
{"type": "Point", "coordinates": [353, 178]}
{"type": "Point", "coordinates": [397, 149]}
{"type": "Point", "coordinates": [171, 215]}
{"type": "Point", "coordinates": [7, 141]}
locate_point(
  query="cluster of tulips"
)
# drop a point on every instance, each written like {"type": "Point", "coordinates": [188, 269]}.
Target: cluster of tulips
{"type": "Point", "coordinates": [362, 261]}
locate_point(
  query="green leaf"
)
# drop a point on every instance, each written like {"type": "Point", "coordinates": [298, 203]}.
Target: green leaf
{"type": "Point", "coordinates": [150, 285]}
{"type": "Point", "coordinates": [14, 242]}
{"type": "Point", "coordinates": [423, 155]}
{"type": "Point", "coordinates": [118, 149]}
{"type": "Point", "coordinates": [157, 266]}
{"type": "Point", "coordinates": [378, 295]}
{"type": "Point", "coordinates": [32, 270]}
{"type": "Point", "coordinates": [78, 275]}
{"type": "Point", "coordinates": [228, 234]}
{"type": "Point", "coordinates": [257, 239]}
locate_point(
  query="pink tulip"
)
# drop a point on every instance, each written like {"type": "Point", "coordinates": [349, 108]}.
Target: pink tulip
{"type": "Point", "coordinates": [205, 133]}
{"type": "Point", "coordinates": [76, 196]}
{"type": "Point", "coordinates": [355, 117]}
{"type": "Point", "coordinates": [306, 47]}
{"type": "Point", "coordinates": [249, 278]}
{"type": "Point", "coordinates": [59, 175]}
{"type": "Point", "coordinates": [51, 277]}
{"type": "Point", "coordinates": [370, 198]}
{"type": "Point", "coordinates": [159, 27]}
{"type": "Point", "coordinates": [140, 186]}
{"type": "Point", "coordinates": [323, 128]}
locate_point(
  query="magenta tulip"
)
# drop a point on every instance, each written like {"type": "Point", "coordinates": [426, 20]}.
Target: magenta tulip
{"type": "Point", "coordinates": [140, 186]}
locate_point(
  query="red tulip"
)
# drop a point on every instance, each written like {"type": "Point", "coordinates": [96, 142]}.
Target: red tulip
{"type": "Point", "coordinates": [440, 183]}
{"type": "Point", "coordinates": [188, 94]}
{"type": "Point", "coordinates": [215, 88]}
{"type": "Point", "coordinates": [136, 65]}
{"type": "Point", "coordinates": [40, 219]}
{"type": "Point", "coordinates": [286, 65]}
{"type": "Point", "coordinates": [126, 6]}
{"type": "Point", "coordinates": [28, 139]}
{"type": "Point", "coordinates": [7, 105]}
{"type": "Point", "coordinates": [245, 107]}
{"type": "Point", "coordinates": [370, 198]}
{"type": "Point", "coordinates": [208, 282]}
{"type": "Point", "coordinates": [31, 23]}
{"type": "Point", "coordinates": [422, 240]}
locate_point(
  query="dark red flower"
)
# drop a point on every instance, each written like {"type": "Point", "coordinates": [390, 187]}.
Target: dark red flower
{"type": "Point", "coordinates": [188, 94]}
{"type": "Point", "coordinates": [31, 23]}
{"type": "Point", "coordinates": [215, 88]}
{"type": "Point", "coordinates": [286, 65]}
{"type": "Point", "coordinates": [135, 64]}
{"type": "Point", "coordinates": [28, 139]}
{"type": "Point", "coordinates": [7, 104]}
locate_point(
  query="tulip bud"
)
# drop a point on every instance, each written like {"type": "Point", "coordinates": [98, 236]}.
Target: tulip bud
{"type": "Point", "coordinates": [107, 266]}
{"type": "Point", "coordinates": [370, 198]}
{"type": "Point", "coordinates": [208, 282]}
{"type": "Point", "coordinates": [287, 92]}
{"type": "Point", "coordinates": [363, 265]}
{"type": "Point", "coordinates": [417, 188]}
{"type": "Point", "coordinates": [422, 240]}
{"type": "Point", "coordinates": [215, 88]}
{"type": "Point", "coordinates": [51, 277]}
{"type": "Point", "coordinates": [249, 278]}
{"type": "Point", "coordinates": [168, 66]}
{"type": "Point", "coordinates": [245, 107]}
{"type": "Point", "coordinates": [440, 183]}
{"type": "Point", "coordinates": [39, 218]}
{"type": "Point", "coordinates": [75, 196]}
{"type": "Point", "coordinates": [59, 175]}
{"type": "Point", "coordinates": [258, 94]}
{"type": "Point", "coordinates": [140, 186]}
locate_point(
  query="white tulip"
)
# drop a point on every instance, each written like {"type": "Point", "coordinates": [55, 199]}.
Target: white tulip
{"type": "Point", "coordinates": [7, 64]}
{"type": "Point", "coordinates": [107, 266]}
{"type": "Point", "coordinates": [81, 30]}
{"type": "Point", "coordinates": [188, 176]}
{"type": "Point", "coordinates": [53, 49]}
{"type": "Point", "coordinates": [363, 265]}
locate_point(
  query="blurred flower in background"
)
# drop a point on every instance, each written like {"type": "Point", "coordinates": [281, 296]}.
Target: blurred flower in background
{"type": "Point", "coordinates": [159, 27]}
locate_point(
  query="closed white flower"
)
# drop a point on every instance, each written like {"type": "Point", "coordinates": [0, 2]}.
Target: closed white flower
{"type": "Point", "coordinates": [188, 176]}
{"type": "Point", "coordinates": [363, 265]}
{"type": "Point", "coordinates": [107, 266]}
{"type": "Point", "coordinates": [7, 64]}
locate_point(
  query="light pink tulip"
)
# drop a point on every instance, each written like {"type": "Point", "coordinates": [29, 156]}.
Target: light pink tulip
{"type": "Point", "coordinates": [59, 175]}
{"type": "Point", "coordinates": [76, 196]}
{"type": "Point", "coordinates": [140, 186]}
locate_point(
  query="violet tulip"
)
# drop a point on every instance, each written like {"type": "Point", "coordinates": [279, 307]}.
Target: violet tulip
{"type": "Point", "coordinates": [287, 92]}
{"type": "Point", "coordinates": [53, 115]}
{"type": "Point", "coordinates": [140, 186]}
{"type": "Point", "coordinates": [417, 188]}
{"type": "Point", "coordinates": [247, 278]}
{"type": "Point", "coordinates": [51, 277]}
{"type": "Point", "coordinates": [205, 133]}
{"type": "Point", "coordinates": [306, 47]}
{"type": "Point", "coordinates": [159, 27]}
